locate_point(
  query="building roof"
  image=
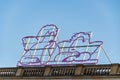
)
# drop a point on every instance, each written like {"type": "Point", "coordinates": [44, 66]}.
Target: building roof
{"type": "Point", "coordinates": [62, 72]}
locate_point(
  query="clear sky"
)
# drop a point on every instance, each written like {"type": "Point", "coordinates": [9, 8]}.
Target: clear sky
{"type": "Point", "coordinates": [19, 18]}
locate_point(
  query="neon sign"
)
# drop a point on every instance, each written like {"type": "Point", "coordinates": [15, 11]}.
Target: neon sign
{"type": "Point", "coordinates": [46, 49]}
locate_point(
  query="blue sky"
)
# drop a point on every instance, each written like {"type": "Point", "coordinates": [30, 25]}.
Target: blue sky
{"type": "Point", "coordinates": [19, 18]}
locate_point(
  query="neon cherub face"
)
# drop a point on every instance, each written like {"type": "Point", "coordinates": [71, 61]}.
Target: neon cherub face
{"type": "Point", "coordinates": [45, 49]}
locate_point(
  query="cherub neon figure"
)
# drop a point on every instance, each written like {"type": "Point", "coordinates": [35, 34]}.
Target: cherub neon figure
{"type": "Point", "coordinates": [74, 53]}
{"type": "Point", "coordinates": [38, 49]}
